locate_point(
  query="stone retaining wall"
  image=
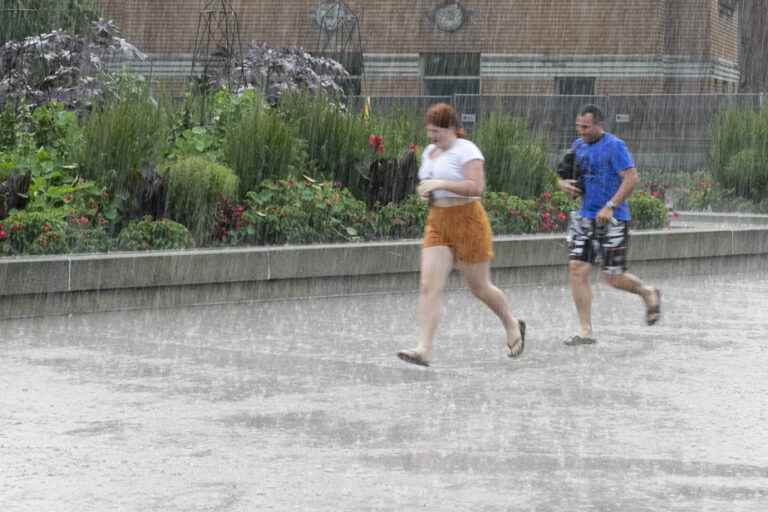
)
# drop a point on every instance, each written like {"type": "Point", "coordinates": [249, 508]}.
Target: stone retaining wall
{"type": "Point", "coordinates": [36, 286]}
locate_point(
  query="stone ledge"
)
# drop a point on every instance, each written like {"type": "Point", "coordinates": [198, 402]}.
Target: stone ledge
{"type": "Point", "coordinates": [80, 283]}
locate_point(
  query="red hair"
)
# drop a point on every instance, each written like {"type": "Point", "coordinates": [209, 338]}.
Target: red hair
{"type": "Point", "coordinates": [443, 115]}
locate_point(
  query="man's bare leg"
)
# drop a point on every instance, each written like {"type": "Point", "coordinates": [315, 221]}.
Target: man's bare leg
{"type": "Point", "coordinates": [582, 294]}
{"type": "Point", "coordinates": [632, 284]}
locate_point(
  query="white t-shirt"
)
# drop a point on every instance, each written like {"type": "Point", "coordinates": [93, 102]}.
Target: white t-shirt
{"type": "Point", "coordinates": [449, 165]}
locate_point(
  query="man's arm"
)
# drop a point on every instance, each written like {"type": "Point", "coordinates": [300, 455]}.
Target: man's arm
{"type": "Point", "coordinates": [629, 181]}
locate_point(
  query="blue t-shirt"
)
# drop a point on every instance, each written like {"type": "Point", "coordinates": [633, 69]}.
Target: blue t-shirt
{"type": "Point", "coordinates": [600, 164]}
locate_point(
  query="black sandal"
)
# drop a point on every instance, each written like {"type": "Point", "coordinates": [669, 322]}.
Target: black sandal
{"type": "Point", "coordinates": [520, 343]}
{"type": "Point", "coordinates": [413, 357]}
{"type": "Point", "coordinates": [580, 340]}
{"type": "Point", "coordinates": [653, 313]}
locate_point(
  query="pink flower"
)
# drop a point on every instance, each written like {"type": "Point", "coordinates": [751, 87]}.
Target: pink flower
{"type": "Point", "coordinates": [561, 216]}
{"type": "Point", "coordinates": [3, 235]}
{"type": "Point", "coordinates": [546, 196]}
{"type": "Point", "coordinates": [83, 220]}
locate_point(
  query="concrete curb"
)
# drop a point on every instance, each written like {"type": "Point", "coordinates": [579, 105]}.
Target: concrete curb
{"type": "Point", "coordinates": [36, 286]}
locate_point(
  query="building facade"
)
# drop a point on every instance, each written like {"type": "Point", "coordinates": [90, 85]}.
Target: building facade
{"type": "Point", "coordinates": [488, 47]}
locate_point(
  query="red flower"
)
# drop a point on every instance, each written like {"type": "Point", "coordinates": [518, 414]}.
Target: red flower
{"type": "Point", "coordinates": [561, 217]}
{"type": "Point", "coordinates": [83, 220]}
{"type": "Point", "coordinates": [46, 228]}
{"type": "Point", "coordinates": [3, 235]}
{"type": "Point", "coordinates": [376, 142]}
{"type": "Point", "coordinates": [546, 196]}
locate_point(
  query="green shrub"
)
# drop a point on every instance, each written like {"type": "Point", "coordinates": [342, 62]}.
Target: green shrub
{"type": "Point", "coordinates": [84, 237]}
{"type": "Point", "coordinates": [510, 214]}
{"type": "Point", "coordinates": [195, 186]}
{"type": "Point", "coordinates": [120, 138]}
{"type": "Point", "coordinates": [515, 161]}
{"type": "Point", "coordinates": [8, 127]}
{"type": "Point", "coordinates": [223, 109]}
{"type": "Point", "coordinates": [302, 211]}
{"type": "Point", "coordinates": [335, 138]}
{"type": "Point", "coordinates": [747, 171]}
{"type": "Point", "coordinates": [739, 155]}
{"type": "Point", "coordinates": [148, 234]}
{"type": "Point", "coordinates": [400, 220]}
{"type": "Point", "coordinates": [33, 232]}
{"type": "Point", "coordinates": [647, 212]}
{"type": "Point", "coordinates": [261, 146]}
{"type": "Point", "coordinates": [51, 124]}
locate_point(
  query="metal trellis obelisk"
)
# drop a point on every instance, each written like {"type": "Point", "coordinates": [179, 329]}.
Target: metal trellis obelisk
{"type": "Point", "coordinates": [339, 36]}
{"type": "Point", "coordinates": [218, 53]}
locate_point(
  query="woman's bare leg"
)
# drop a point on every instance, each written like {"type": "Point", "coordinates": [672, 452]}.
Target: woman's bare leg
{"type": "Point", "coordinates": [478, 279]}
{"type": "Point", "coordinates": [436, 266]}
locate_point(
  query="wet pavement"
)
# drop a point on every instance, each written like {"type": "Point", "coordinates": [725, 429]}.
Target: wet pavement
{"type": "Point", "coordinates": [302, 405]}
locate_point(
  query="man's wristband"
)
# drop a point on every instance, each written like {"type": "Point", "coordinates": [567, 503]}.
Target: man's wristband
{"type": "Point", "coordinates": [610, 204]}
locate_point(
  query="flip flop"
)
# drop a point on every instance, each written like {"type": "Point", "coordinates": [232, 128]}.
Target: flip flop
{"type": "Point", "coordinates": [521, 344]}
{"type": "Point", "coordinates": [580, 340]}
{"type": "Point", "coordinates": [413, 357]}
{"type": "Point", "coordinates": [653, 313]}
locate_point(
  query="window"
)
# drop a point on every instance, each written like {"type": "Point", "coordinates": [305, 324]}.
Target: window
{"type": "Point", "coordinates": [575, 86]}
{"type": "Point", "coordinates": [446, 74]}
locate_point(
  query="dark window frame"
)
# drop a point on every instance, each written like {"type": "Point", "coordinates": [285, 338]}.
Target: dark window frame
{"type": "Point", "coordinates": [575, 85]}
{"type": "Point", "coordinates": [448, 73]}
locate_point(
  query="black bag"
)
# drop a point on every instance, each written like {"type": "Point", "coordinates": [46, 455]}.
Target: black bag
{"type": "Point", "coordinates": [568, 169]}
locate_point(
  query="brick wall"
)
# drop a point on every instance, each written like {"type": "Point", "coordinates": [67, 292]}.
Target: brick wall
{"type": "Point", "coordinates": [693, 31]}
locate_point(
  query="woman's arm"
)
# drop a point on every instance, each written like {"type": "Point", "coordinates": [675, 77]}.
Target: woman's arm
{"type": "Point", "coordinates": [473, 184]}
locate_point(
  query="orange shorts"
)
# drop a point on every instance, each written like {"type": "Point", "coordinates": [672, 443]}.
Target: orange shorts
{"type": "Point", "coordinates": [464, 229]}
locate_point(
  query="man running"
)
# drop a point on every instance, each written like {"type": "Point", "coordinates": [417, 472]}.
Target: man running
{"type": "Point", "coordinates": [605, 178]}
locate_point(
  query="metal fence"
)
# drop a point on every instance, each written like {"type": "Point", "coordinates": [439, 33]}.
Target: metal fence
{"type": "Point", "coordinates": [665, 131]}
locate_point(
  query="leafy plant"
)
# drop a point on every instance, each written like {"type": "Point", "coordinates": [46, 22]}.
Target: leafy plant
{"type": "Point", "coordinates": [302, 211]}
{"type": "Point", "coordinates": [263, 146]}
{"type": "Point", "coordinates": [8, 127]}
{"type": "Point", "coordinates": [62, 66]}
{"type": "Point", "coordinates": [515, 161]}
{"type": "Point", "coordinates": [195, 186]}
{"type": "Point", "coordinates": [120, 138]}
{"type": "Point", "coordinates": [335, 139]}
{"type": "Point", "coordinates": [400, 220]}
{"type": "Point", "coordinates": [647, 212]}
{"type": "Point", "coordinates": [739, 155]}
{"type": "Point", "coordinates": [148, 234]}
{"type": "Point", "coordinates": [33, 232]}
